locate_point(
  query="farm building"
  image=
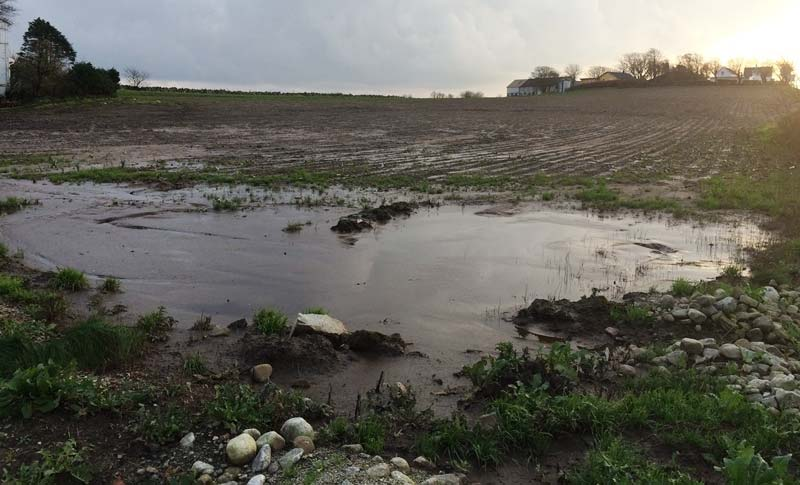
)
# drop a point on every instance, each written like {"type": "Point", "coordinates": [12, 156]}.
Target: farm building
{"type": "Point", "coordinates": [758, 75]}
{"type": "Point", "coordinates": [615, 76]}
{"type": "Point", "coordinates": [536, 87]}
{"type": "Point", "coordinates": [4, 76]}
{"type": "Point", "coordinates": [726, 75]}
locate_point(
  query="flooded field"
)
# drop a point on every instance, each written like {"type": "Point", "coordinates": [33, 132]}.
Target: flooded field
{"type": "Point", "coordinates": [443, 278]}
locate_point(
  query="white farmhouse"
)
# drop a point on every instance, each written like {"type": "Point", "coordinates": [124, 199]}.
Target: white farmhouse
{"type": "Point", "coordinates": [726, 75]}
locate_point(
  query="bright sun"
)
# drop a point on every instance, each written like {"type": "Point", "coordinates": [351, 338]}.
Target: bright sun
{"type": "Point", "coordinates": [772, 41]}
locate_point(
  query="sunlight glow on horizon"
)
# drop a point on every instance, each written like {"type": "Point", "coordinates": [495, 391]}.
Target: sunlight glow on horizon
{"type": "Point", "coordinates": [768, 42]}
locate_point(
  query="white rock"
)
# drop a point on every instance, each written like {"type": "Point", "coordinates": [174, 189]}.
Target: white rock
{"type": "Point", "coordinates": [401, 464]}
{"type": "Point", "coordinates": [261, 373]}
{"type": "Point", "coordinates": [786, 382]}
{"type": "Point", "coordinates": [727, 305]}
{"type": "Point", "coordinates": [257, 480]}
{"type": "Point", "coordinates": [324, 324]}
{"type": "Point", "coordinates": [295, 427]}
{"type": "Point", "coordinates": [730, 351]}
{"type": "Point", "coordinates": [401, 478]}
{"type": "Point", "coordinates": [187, 441]}
{"type": "Point", "coordinates": [241, 449]}
{"type": "Point", "coordinates": [202, 468]}
{"type": "Point", "coordinates": [262, 459]}
{"type": "Point", "coordinates": [771, 294]}
{"type": "Point", "coordinates": [451, 479]}
{"type": "Point", "coordinates": [291, 458]}
{"type": "Point", "coordinates": [380, 470]}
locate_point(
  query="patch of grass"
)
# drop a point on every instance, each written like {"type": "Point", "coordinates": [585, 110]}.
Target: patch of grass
{"type": "Point", "coordinates": [70, 279]}
{"type": "Point", "coordinates": [548, 196]}
{"type": "Point", "coordinates": [221, 204]}
{"type": "Point", "coordinates": [339, 431]}
{"type": "Point", "coordinates": [3, 251]}
{"type": "Point", "coordinates": [599, 196]}
{"type": "Point", "coordinates": [682, 288]}
{"type": "Point", "coordinates": [293, 227]}
{"type": "Point", "coordinates": [39, 304]}
{"type": "Point", "coordinates": [455, 441]}
{"type": "Point", "coordinates": [62, 463]}
{"type": "Point", "coordinates": [111, 285]}
{"type": "Point", "coordinates": [612, 460]}
{"type": "Point", "coordinates": [194, 364]}
{"type": "Point", "coordinates": [316, 310]}
{"type": "Point", "coordinates": [270, 321]}
{"type": "Point", "coordinates": [238, 406]}
{"type": "Point", "coordinates": [744, 466]}
{"type": "Point", "coordinates": [156, 325]}
{"type": "Point", "coordinates": [41, 389]}
{"type": "Point", "coordinates": [632, 315]}
{"type": "Point", "coordinates": [9, 205]}
{"type": "Point", "coordinates": [163, 425]}
{"type": "Point", "coordinates": [372, 432]}
{"type": "Point", "coordinates": [202, 324]}
{"type": "Point", "coordinates": [482, 182]}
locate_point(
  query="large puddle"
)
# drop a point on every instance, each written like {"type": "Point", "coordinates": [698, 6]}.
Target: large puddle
{"type": "Point", "coordinates": [442, 278]}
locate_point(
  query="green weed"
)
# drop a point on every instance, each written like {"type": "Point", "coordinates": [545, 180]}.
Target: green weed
{"type": "Point", "coordinates": [70, 279]}
{"type": "Point", "coordinates": [455, 441]}
{"type": "Point", "coordinates": [221, 204]}
{"type": "Point", "coordinates": [317, 310]}
{"type": "Point", "coordinates": [194, 364]}
{"type": "Point", "coordinates": [64, 463]}
{"type": "Point", "coordinates": [111, 285]}
{"type": "Point", "coordinates": [270, 321]}
{"type": "Point", "coordinates": [372, 432]}
{"type": "Point", "coordinates": [293, 227]}
{"type": "Point", "coordinates": [238, 406]}
{"type": "Point", "coordinates": [632, 315]}
{"type": "Point", "coordinates": [163, 425]}
{"type": "Point", "coordinates": [682, 288]}
{"type": "Point", "coordinates": [744, 467]}
{"type": "Point", "coordinates": [10, 205]}
{"type": "Point", "coordinates": [156, 325]}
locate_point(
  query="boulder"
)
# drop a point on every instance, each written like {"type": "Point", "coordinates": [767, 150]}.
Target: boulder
{"type": "Point", "coordinates": [261, 373]}
{"type": "Point", "coordinates": [256, 434]}
{"type": "Point", "coordinates": [764, 323]}
{"type": "Point", "coordinates": [262, 459]}
{"type": "Point", "coordinates": [705, 300]}
{"type": "Point", "coordinates": [771, 295]}
{"type": "Point", "coordinates": [202, 468]}
{"type": "Point", "coordinates": [727, 305]}
{"type": "Point", "coordinates": [271, 439]}
{"type": "Point", "coordinates": [304, 443]}
{"type": "Point", "coordinates": [692, 346]}
{"type": "Point", "coordinates": [241, 449]}
{"type": "Point", "coordinates": [667, 302]}
{"type": "Point", "coordinates": [188, 440]}
{"type": "Point", "coordinates": [423, 463]}
{"type": "Point", "coordinates": [747, 300]}
{"type": "Point", "coordinates": [730, 351]}
{"type": "Point", "coordinates": [257, 480]}
{"type": "Point", "coordinates": [353, 449]}
{"type": "Point", "coordinates": [380, 470]}
{"type": "Point", "coordinates": [401, 464]}
{"type": "Point", "coordinates": [696, 316]}
{"type": "Point", "coordinates": [401, 478]}
{"type": "Point", "coordinates": [295, 427]}
{"type": "Point", "coordinates": [787, 399]}
{"type": "Point", "coordinates": [322, 324]}
{"type": "Point", "coordinates": [450, 479]}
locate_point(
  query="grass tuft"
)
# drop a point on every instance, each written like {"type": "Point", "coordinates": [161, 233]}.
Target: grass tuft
{"type": "Point", "coordinates": [270, 321]}
{"type": "Point", "coordinates": [70, 279]}
{"type": "Point", "coordinates": [111, 285]}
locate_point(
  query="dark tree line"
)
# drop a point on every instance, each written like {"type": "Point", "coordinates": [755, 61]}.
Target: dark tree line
{"type": "Point", "coordinates": [46, 67]}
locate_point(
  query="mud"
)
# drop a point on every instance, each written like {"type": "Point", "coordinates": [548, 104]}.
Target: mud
{"type": "Point", "coordinates": [367, 218]}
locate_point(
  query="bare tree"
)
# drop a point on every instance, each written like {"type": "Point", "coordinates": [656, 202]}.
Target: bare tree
{"type": "Point", "coordinates": [655, 64]}
{"type": "Point", "coordinates": [692, 62]}
{"type": "Point", "coordinates": [471, 94]}
{"type": "Point", "coordinates": [736, 66]}
{"type": "Point", "coordinates": [439, 95]}
{"type": "Point", "coordinates": [7, 11]}
{"type": "Point", "coordinates": [785, 71]}
{"type": "Point", "coordinates": [541, 72]}
{"type": "Point", "coordinates": [136, 77]}
{"type": "Point", "coordinates": [634, 64]}
{"type": "Point", "coordinates": [711, 68]}
{"type": "Point", "coordinates": [572, 71]}
{"type": "Point", "coordinates": [597, 71]}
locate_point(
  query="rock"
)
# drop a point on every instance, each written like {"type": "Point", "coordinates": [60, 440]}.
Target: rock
{"type": "Point", "coordinates": [792, 310]}
{"type": "Point", "coordinates": [488, 421]}
{"type": "Point", "coordinates": [256, 434]}
{"type": "Point", "coordinates": [377, 459]}
{"type": "Point", "coordinates": [273, 468]}
{"type": "Point", "coordinates": [705, 300]}
{"type": "Point", "coordinates": [677, 358]}
{"type": "Point", "coordinates": [786, 382]}
{"type": "Point", "coordinates": [295, 427]}
{"type": "Point", "coordinates": [291, 458]}
{"type": "Point", "coordinates": [202, 468]}
{"type": "Point", "coordinates": [730, 351]}
{"type": "Point", "coordinates": [668, 318]}
{"type": "Point", "coordinates": [261, 373]}
{"type": "Point", "coordinates": [680, 313]}
{"type": "Point", "coordinates": [692, 346]}
{"type": "Point", "coordinates": [219, 331]}
{"type": "Point", "coordinates": [423, 463]}
{"type": "Point", "coordinates": [450, 479]}
{"type": "Point", "coordinates": [627, 370]}
{"type": "Point", "coordinates": [667, 302]}
{"type": "Point", "coordinates": [273, 440]}
{"type": "Point", "coordinates": [787, 399]}
{"type": "Point", "coordinates": [401, 478]}
{"type": "Point", "coordinates": [771, 295]}
{"type": "Point", "coordinates": [204, 480]}
{"type": "Point", "coordinates": [257, 480]}
{"type": "Point", "coordinates": [719, 294]}
{"type": "Point", "coordinates": [709, 355]}
{"type": "Point", "coordinates": [747, 300]}
{"type": "Point", "coordinates": [754, 334]}
{"type": "Point", "coordinates": [764, 323]}
{"type": "Point", "coordinates": [304, 443]}
{"type": "Point", "coordinates": [375, 343]}
{"type": "Point", "coordinates": [239, 324]}
{"type": "Point", "coordinates": [727, 305]}
{"type": "Point", "coordinates": [352, 470]}
{"type": "Point", "coordinates": [612, 331]}
{"type": "Point", "coordinates": [187, 441]}
{"type": "Point", "coordinates": [241, 450]}
{"type": "Point", "coordinates": [353, 449]}
{"type": "Point", "coordinates": [401, 464]}
{"type": "Point", "coordinates": [322, 324]}
{"type": "Point", "coordinates": [380, 470]}
{"type": "Point", "coordinates": [696, 316]}
{"type": "Point", "coordinates": [262, 459]}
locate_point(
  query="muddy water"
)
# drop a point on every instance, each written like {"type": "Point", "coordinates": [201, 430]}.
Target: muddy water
{"type": "Point", "coordinates": [441, 278]}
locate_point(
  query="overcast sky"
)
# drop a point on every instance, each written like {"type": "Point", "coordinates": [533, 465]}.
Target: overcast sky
{"type": "Point", "coordinates": [389, 46]}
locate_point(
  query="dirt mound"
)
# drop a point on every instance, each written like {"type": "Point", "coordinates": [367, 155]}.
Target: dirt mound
{"type": "Point", "coordinates": [367, 218]}
{"type": "Point", "coordinates": [375, 343]}
{"type": "Point", "coordinates": [587, 309]}
{"type": "Point", "coordinates": [307, 353]}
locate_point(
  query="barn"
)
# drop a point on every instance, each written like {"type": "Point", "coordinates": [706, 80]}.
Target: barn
{"type": "Point", "coordinates": [536, 87]}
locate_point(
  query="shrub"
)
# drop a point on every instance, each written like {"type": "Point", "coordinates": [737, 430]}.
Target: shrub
{"type": "Point", "coordinates": [194, 364]}
{"type": "Point", "coordinates": [599, 195]}
{"type": "Point", "coordinates": [70, 279]}
{"type": "Point", "coordinates": [682, 288]}
{"type": "Point", "coordinates": [41, 389]}
{"type": "Point", "coordinates": [156, 325]}
{"type": "Point", "coordinates": [371, 433]}
{"type": "Point", "coordinates": [86, 80]}
{"type": "Point", "coordinates": [270, 321]}
{"type": "Point", "coordinates": [744, 467]}
{"type": "Point", "coordinates": [111, 285]}
{"type": "Point", "coordinates": [338, 432]}
{"type": "Point", "coordinates": [65, 463]}
{"type": "Point", "coordinates": [237, 406]}
{"type": "Point", "coordinates": [163, 425]}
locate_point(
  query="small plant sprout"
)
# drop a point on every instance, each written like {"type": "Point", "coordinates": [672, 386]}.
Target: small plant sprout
{"type": "Point", "coordinates": [293, 227]}
{"type": "Point", "coordinates": [111, 285]}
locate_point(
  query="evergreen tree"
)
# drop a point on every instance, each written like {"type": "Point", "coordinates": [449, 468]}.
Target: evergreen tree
{"type": "Point", "coordinates": [41, 65]}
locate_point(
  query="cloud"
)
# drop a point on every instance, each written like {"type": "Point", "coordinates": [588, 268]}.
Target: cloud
{"type": "Point", "coordinates": [392, 46]}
